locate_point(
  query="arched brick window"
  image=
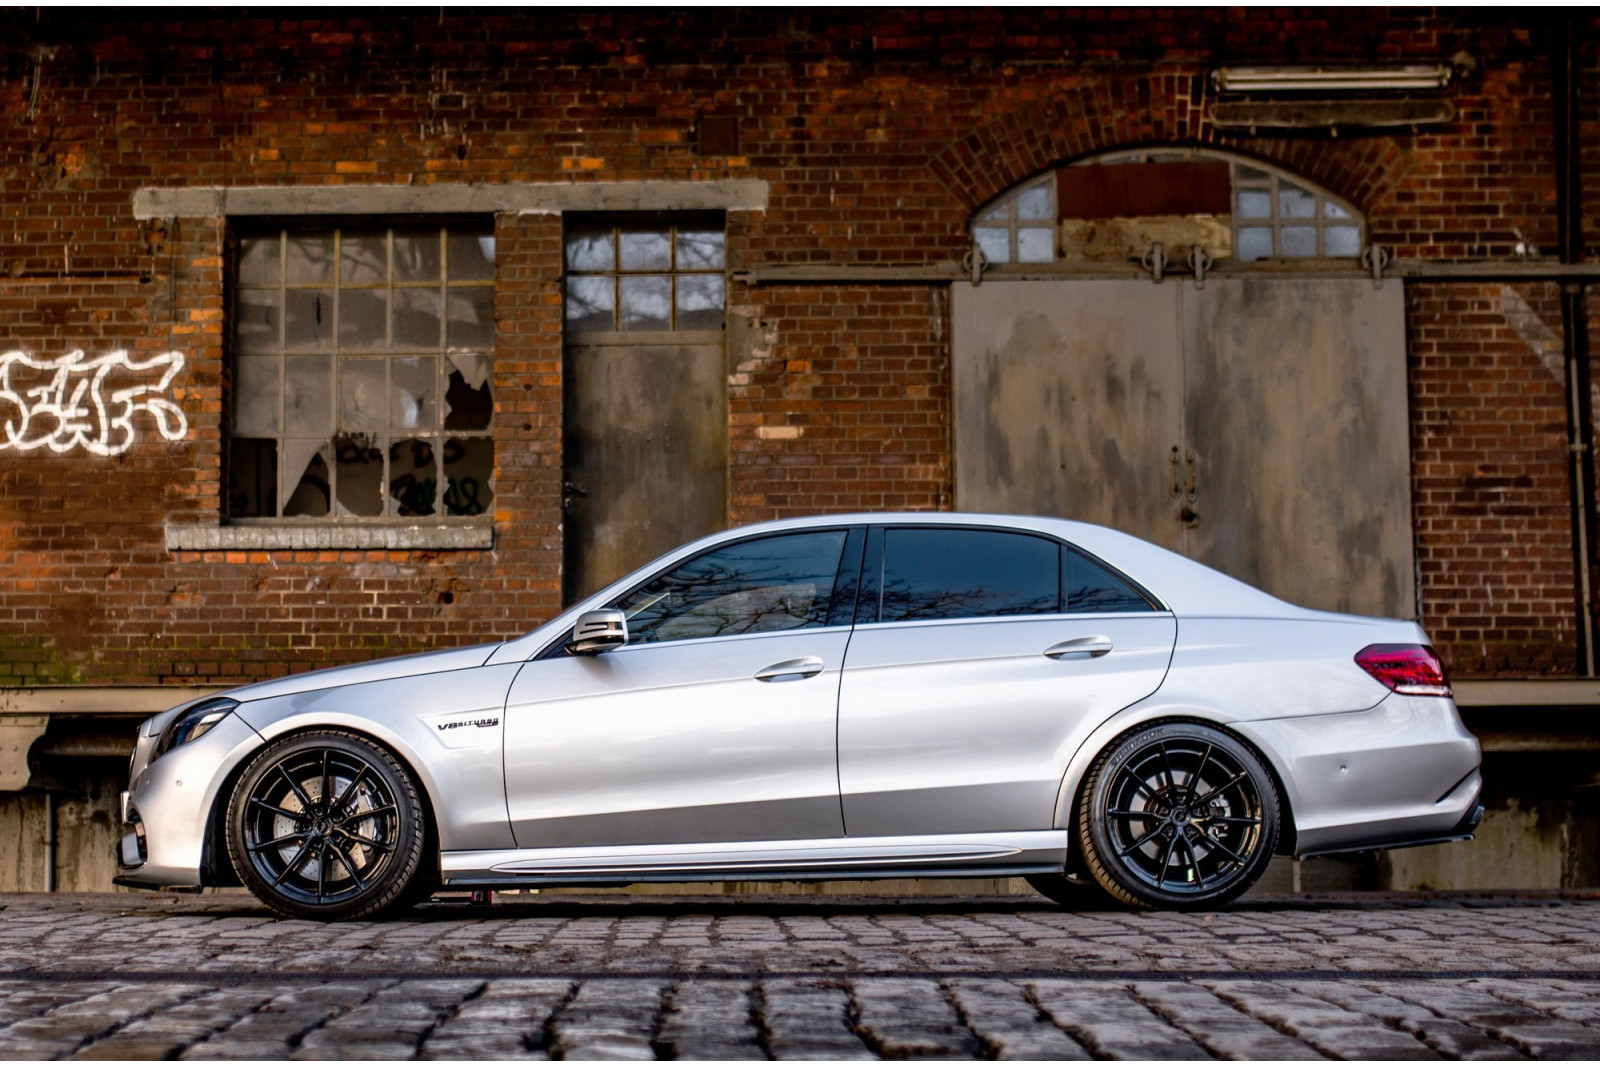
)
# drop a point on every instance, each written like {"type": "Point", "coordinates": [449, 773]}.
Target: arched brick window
{"type": "Point", "coordinates": [1250, 210]}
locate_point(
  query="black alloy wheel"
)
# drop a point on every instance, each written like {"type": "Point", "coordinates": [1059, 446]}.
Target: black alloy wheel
{"type": "Point", "coordinates": [1179, 815]}
{"type": "Point", "coordinates": [326, 826]}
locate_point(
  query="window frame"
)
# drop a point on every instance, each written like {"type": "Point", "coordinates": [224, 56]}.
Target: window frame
{"type": "Point", "coordinates": [334, 229]}
{"type": "Point", "coordinates": [617, 222]}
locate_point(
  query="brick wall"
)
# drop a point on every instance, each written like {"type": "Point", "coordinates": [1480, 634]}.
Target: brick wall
{"type": "Point", "coordinates": [878, 132]}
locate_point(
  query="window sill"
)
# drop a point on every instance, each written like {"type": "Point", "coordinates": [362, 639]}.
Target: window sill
{"type": "Point", "coordinates": [252, 537]}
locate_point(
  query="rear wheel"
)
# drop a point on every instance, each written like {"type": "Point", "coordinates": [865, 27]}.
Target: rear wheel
{"type": "Point", "coordinates": [1178, 816]}
{"type": "Point", "coordinates": [327, 826]}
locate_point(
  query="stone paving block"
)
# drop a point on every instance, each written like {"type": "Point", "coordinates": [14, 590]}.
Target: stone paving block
{"type": "Point", "coordinates": [63, 1029]}
{"type": "Point", "coordinates": [808, 1019]}
{"type": "Point", "coordinates": [164, 1035]}
{"type": "Point", "coordinates": [609, 1019]}
{"type": "Point", "coordinates": [1009, 1025]}
{"type": "Point", "coordinates": [1333, 1030]}
{"type": "Point", "coordinates": [281, 1023]}
{"type": "Point", "coordinates": [1108, 1020]}
{"type": "Point", "coordinates": [1218, 1026]}
{"type": "Point", "coordinates": [1578, 1002]}
{"type": "Point", "coordinates": [903, 1018]}
{"type": "Point", "coordinates": [710, 1020]}
{"type": "Point", "coordinates": [1451, 1038]}
{"type": "Point", "coordinates": [1540, 1036]}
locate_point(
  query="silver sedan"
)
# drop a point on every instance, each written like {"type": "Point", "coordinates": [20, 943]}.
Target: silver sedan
{"type": "Point", "coordinates": [844, 697]}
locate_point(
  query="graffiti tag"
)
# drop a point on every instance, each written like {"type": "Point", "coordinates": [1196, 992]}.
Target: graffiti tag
{"type": "Point", "coordinates": [71, 401]}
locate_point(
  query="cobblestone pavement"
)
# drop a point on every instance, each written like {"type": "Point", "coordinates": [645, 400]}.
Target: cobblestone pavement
{"type": "Point", "coordinates": [537, 977]}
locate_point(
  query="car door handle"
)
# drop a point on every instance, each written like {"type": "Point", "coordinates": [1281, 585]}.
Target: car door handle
{"type": "Point", "coordinates": [1079, 648]}
{"type": "Point", "coordinates": [784, 670]}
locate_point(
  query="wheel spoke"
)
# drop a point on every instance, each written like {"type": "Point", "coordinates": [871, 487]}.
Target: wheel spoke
{"type": "Point", "coordinates": [293, 864]}
{"type": "Point", "coordinates": [298, 792]}
{"type": "Point", "coordinates": [1210, 841]}
{"type": "Point", "coordinates": [322, 868]}
{"type": "Point", "coordinates": [298, 817]}
{"type": "Point", "coordinates": [1225, 786]}
{"type": "Point", "coordinates": [327, 784]}
{"type": "Point", "coordinates": [350, 788]}
{"type": "Point", "coordinates": [382, 847]}
{"type": "Point", "coordinates": [1138, 784]}
{"type": "Point", "coordinates": [349, 865]}
{"type": "Point", "coordinates": [292, 836]}
{"type": "Point", "coordinates": [383, 810]}
{"type": "Point", "coordinates": [1249, 821]}
{"type": "Point", "coordinates": [1166, 861]}
{"type": "Point", "coordinates": [1172, 780]}
{"type": "Point", "coordinates": [1132, 813]}
{"type": "Point", "coordinates": [1199, 771]}
{"type": "Point", "coordinates": [1142, 840]}
{"type": "Point", "coordinates": [1194, 861]}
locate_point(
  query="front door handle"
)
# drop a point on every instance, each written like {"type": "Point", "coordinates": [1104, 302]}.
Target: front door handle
{"type": "Point", "coordinates": [784, 670]}
{"type": "Point", "coordinates": [1079, 648]}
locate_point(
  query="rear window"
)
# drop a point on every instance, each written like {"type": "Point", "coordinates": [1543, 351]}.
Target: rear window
{"type": "Point", "coordinates": [967, 574]}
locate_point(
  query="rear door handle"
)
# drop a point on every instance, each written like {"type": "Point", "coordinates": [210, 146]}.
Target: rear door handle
{"type": "Point", "coordinates": [783, 671]}
{"type": "Point", "coordinates": [1079, 648]}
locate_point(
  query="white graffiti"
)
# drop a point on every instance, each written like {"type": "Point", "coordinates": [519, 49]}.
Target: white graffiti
{"type": "Point", "coordinates": [65, 403]}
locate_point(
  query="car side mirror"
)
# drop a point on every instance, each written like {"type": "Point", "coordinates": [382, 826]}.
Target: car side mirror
{"type": "Point", "coordinates": [598, 632]}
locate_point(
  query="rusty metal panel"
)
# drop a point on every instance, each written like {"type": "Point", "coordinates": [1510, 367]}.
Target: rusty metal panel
{"type": "Point", "coordinates": [1297, 416]}
{"type": "Point", "coordinates": [1069, 401]}
{"type": "Point", "coordinates": [646, 454]}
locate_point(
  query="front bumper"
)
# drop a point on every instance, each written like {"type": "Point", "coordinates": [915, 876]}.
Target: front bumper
{"type": "Point", "coordinates": [1405, 772]}
{"type": "Point", "coordinates": [168, 804]}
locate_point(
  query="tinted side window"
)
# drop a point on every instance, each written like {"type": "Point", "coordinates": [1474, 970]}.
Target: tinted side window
{"type": "Point", "coordinates": [778, 583]}
{"type": "Point", "coordinates": [956, 574]}
{"type": "Point", "coordinates": [1088, 587]}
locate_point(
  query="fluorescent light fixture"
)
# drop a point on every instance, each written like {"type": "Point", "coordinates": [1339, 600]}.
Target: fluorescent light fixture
{"type": "Point", "coordinates": [1330, 79]}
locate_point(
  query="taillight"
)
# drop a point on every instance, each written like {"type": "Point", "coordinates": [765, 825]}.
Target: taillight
{"type": "Point", "coordinates": [1413, 669]}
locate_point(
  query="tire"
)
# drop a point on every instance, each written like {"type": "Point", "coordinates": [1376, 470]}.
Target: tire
{"type": "Point", "coordinates": [355, 856]}
{"type": "Point", "coordinates": [1073, 894]}
{"type": "Point", "coordinates": [1177, 816]}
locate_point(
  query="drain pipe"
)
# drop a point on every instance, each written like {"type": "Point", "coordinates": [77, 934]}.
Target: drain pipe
{"type": "Point", "coordinates": [49, 842]}
{"type": "Point", "coordinates": [1575, 334]}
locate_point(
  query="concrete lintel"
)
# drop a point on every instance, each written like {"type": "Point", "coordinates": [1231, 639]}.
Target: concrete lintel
{"type": "Point", "coordinates": [527, 198]}
{"type": "Point", "coordinates": [19, 705]}
{"type": "Point", "coordinates": [193, 537]}
{"type": "Point", "coordinates": [1527, 693]}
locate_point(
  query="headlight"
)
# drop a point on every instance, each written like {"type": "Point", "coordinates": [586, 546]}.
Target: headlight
{"type": "Point", "coordinates": [192, 723]}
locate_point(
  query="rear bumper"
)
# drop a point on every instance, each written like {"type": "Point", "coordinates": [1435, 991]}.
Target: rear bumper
{"type": "Point", "coordinates": [1405, 772]}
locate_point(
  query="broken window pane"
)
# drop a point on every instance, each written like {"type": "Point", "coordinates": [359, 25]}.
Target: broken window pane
{"type": "Point", "coordinates": [360, 475]}
{"type": "Point", "coordinates": [468, 465]}
{"type": "Point", "coordinates": [700, 302]}
{"type": "Point", "coordinates": [645, 249]}
{"type": "Point", "coordinates": [589, 247]}
{"type": "Point", "coordinates": [361, 395]}
{"type": "Point", "coordinates": [1255, 242]}
{"type": "Point", "coordinates": [1036, 244]}
{"type": "Point", "coordinates": [255, 395]}
{"type": "Point", "coordinates": [997, 213]}
{"type": "Point", "coordinates": [308, 495]}
{"type": "Point", "coordinates": [996, 244]}
{"type": "Point", "coordinates": [646, 302]}
{"type": "Point", "coordinates": [308, 396]}
{"type": "Point", "coordinates": [308, 323]}
{"type": "Point", "coordinates": [363, 257]}
{"type": "Point", "coordinates": [417, 256]}
{"type": "Point", "coordinates": [412, 384]}
{"type": "Point", "coordinates": [471, 256]}
{"type": "Point", "coordinates": [1035, 202]}
{"type": "Point", "coordinates": [1334, 211]}
{"type": "Point", "coordinates": [255, 321]}
{"type": "Point", "coordinates": [1341, 241]}
{"type": "Point", "coordinates": [363, 318]}
{"type": "Point", "coordinates": [700, 250]}
{"type": "Point", "coordinates": [416, 319]}
{"type": "Point", "coordinates": [471, 324]}
{"type": "Point", "coordinates": [258, 261]}
{"type": "Point", "coordinates": [467, 406]}
{"type": "Point", "coordinates": [1255, 204]}
{"type": "Point", "coordinates": [1299, 240]}
{"type": "Point", "coordinates": [253, 477]}
{"type": "Point", "coordinates": [413, 478]}
{"type": "Point", "coordinates": [591, 304]}
{"type": "Point", "coordinates": [308, 259]}
{"type": "Point", "coordinates": [1241, 173]}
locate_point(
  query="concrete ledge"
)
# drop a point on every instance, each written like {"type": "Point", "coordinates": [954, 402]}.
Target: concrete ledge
{"type": "Point", "coordinates": [529, 198]}
{"type": "Point", "coordinates": [193, 537]}
{"type": "Point", "coordinates": [142, 701]}
{"type": "Point", "coordinates": [1526, 693]}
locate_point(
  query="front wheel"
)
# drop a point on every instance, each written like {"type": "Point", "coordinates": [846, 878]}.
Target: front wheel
{"type": "Point", "coordinates": [326, 826]}
{"type": "Point", "coordinates": [1178, 816]}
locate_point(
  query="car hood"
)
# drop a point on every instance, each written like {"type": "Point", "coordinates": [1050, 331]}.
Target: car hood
{"type": "Point", "coordinates": [398, 667]}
